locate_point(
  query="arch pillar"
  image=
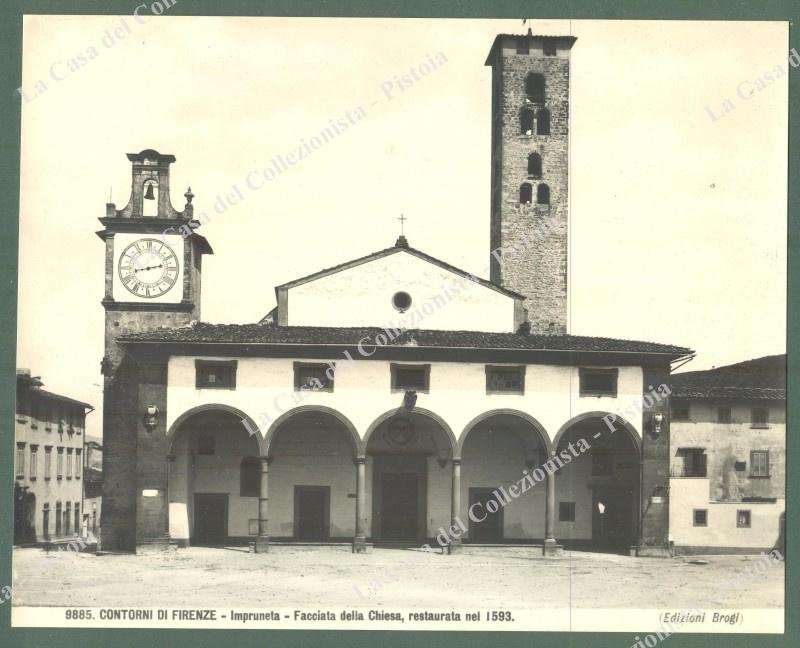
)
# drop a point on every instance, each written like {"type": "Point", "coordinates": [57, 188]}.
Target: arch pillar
{"type": "Point", "coordinates": [169, 461]}
{"type": "Point", "coordinates": [360, 539]}
{"type": "Point", "coordinates": [455, 507]}
{"type": "Point", "coordinates": [262, 540]}
{"type": "Point", "coordinates": [550, 546]}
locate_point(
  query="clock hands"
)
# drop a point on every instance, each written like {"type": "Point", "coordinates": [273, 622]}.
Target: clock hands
{"type": "Point", "coordinates": [160, 265]}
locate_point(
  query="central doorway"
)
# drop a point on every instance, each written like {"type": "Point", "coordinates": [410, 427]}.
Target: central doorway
{"type": "Point", "coordinates": [312, 512]}
{"type": "Point", "coordinates": [399, 498]}
{"type": "Point", "coordinates": [399, 505]}
{"type": "Point", "coordinates": [210, 518]}
{"type": "Point", "coordinates": [409, 451]}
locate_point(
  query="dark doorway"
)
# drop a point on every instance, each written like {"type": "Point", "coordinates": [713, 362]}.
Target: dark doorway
{"type": "Point", "coordinates": [399, 506]}
{"type": "Point", "coordinates": [312, 512]}
{"type": "Point", "coordinates": [612, 521]}
{"type": "Point", "coordinates": [46, 522]}
{"type": "Point", "coordinates": [210, 518]}
{"type": "Point", "coordinates": [489, 529]}
{"type": "Point", "coordinates": [24, 515]}
{"type": "Point", "coordinates": [399, 498]}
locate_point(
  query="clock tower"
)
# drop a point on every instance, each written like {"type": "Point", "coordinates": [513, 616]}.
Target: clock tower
{"type": "Point", "coordinates": [152, 279]}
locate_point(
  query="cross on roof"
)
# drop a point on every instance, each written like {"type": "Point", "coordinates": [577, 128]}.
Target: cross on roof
{"type": "Point", "coordinates": [402, 220]}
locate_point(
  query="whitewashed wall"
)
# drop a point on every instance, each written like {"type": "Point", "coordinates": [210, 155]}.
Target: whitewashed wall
{"type": "Point", "coordinates": [687, 494]}
{"type": "Point", "coordinates": [362, 296]}
{"type": "Point", "coordinates": [264, 391]}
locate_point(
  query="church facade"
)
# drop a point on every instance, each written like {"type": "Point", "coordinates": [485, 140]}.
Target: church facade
{"type": "Point", "coordinates": [393, 398]}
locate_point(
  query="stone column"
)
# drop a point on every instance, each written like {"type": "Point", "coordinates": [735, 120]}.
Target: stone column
{"type": "Point", "coordinates": [262, 540]}
{"type": "Point", "coordinates": [170, 462]}
{"type": "Point", "coordinates": [360, 539]}
{"type": "Point", "coordinates": [550, 547]}
{"type": "Point", "coordinates": [455, 507]}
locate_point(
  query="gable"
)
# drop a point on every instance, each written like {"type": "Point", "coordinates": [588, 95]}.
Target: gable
{"type": "Point", "coordinates": [361, 293]}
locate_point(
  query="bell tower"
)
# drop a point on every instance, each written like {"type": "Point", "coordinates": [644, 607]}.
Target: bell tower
{"type": "Point", "coordinates": [529, 177]}
{"type": "Point", "coordinates": [153, 262]}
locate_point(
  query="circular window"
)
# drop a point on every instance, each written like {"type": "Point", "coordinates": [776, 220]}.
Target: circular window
{"type": "Point", "coordinates": [401, 301]}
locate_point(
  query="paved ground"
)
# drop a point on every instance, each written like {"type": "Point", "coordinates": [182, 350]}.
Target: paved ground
{"type": "Point", "coordinates": [332, 576]}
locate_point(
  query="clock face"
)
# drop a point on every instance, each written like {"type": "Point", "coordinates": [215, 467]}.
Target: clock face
{"type": "Point", "coordinates": [148, 268]}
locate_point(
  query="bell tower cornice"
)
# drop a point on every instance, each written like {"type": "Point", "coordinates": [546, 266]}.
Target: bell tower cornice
{"type": "Point", "coordinates": [150, 194]}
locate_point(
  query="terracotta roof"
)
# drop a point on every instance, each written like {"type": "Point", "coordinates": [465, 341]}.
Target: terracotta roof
{"type": "Point", "coordinates": [270, 334]}
{"type": "Point", "coordinates": [758, 379]}
{"type": "Point", "coordinates": [63, 399]}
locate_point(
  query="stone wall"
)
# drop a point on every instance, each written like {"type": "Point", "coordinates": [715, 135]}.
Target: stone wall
{"type": "Point", "coordinates": [532, 238]}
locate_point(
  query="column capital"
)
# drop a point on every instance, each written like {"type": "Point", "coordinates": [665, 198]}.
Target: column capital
{"type": "Point", "coordinates": [265, 460]}
{"type": "Point", "coordinates": [170, 458]}
{"type": "Point", "coordinates": [359, 460]}
{"type": "Point", "coordinates": [456, 461]}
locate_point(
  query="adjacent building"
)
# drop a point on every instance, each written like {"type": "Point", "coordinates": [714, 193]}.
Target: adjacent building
{"type": "Point", "coordinates": [92, 486]}
{"type": "Point", "coordinates": [728, 458]}
{"type": "Point", "coordinates": [393, 396]}
{"type": "Point", "coordinates": [48, 484]}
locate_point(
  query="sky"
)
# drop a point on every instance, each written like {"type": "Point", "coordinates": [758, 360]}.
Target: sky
{"type": "Point", "coordinates": [678, 167]}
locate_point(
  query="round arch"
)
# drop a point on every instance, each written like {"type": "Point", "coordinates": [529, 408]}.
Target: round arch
{"type": "Point", "coordinates": [417, 410]}
{"type": "Point", "coordinates": [247, 423]}
{"type": "Point", "coordinates": [538, 427]}
{"type": "Point", "coordinates": [352, 433]}
{"type": "Point", "coordinates": [620, 422]}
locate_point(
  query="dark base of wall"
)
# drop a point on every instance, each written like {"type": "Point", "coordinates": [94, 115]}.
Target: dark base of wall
{"type": "Point", "coordinates": [651, 551]}
{"type": "Point", "coordinates": [720, 551]}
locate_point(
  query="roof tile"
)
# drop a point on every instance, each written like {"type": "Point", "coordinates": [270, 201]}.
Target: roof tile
{"type": "Point", "coordinates": [317, 335]}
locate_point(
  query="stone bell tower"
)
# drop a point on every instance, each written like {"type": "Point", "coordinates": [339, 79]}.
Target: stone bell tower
{"type": "Point", "coordinates": [152, 279]}
{"type": "Point", "coordinates": [530, 163]}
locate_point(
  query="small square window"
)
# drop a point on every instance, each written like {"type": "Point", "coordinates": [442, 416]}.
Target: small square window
{"type": "Point", "coordinates": [759, 417]}
{"type": "Point", "coordinates": [410, 377]}
{"type": "Point", "coordinates": [215, 374]}
{"type": "Point", "coordinates": [700, 517]}
{"type": "Point", "coordinates": [549, 48]}
{"type": "Point", "coordinates": [566, 511]}
{"type": "Point", "coordinates": [523, 45]}
{"type": "Point", "coordinates": [598, 382]}
{"type": "Point", "coordinates": [680, 411]}
{"type": "Point", "coordinates": [723, 415]}
{"type": "Point", "coordinates": [695, 462]}
{"type": "Point", "coordinates": [206, 444]}
{"type": "Point", "coordinates": [505, 380]}
{"type": "Point", "coordinates": [743, 519]}
{"type": "Point", "coordinates": [759, 463]}
{"type": "Point", "coordinates": [313, 376]}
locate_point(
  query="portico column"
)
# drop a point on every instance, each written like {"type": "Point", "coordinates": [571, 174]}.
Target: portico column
{"type": "Point", "coordinates": [360, 539]}
{"type": "Point", "coordinates": [169, 464]}
{"type": "Point", "coordinates": [455, 507]}
{"type": "Point", "coordinates": [551, 547]}
{"type": "Point", "coordinates": [262, 540]}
